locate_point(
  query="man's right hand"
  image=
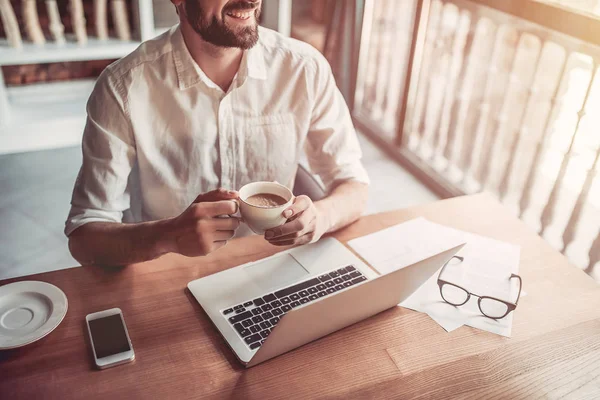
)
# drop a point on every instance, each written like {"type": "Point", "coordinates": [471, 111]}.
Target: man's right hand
{"type": "Point", "coordinates": [205, 225]}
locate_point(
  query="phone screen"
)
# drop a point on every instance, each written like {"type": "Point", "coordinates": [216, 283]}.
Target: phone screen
{"type": "Point", "coordinates": [108, 336]}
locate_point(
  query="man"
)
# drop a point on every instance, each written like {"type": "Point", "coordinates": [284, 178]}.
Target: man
{"type": "Point", "coordinates": [216, 102]}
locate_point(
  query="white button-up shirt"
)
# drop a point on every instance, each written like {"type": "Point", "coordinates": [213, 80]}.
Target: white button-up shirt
{"type": "Point", "coordinates": [159, 131]}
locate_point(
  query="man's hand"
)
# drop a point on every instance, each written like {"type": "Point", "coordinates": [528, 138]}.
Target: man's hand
{"type": "Point", "coordinates": [205, 225]}
{"type": "Point", "coordinates": [304, 224]}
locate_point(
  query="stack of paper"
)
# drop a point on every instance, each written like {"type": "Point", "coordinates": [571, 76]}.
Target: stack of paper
{"type": "Point", "coordinates": [485, 271]}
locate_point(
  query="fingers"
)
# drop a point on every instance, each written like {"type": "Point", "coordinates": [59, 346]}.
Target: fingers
{"type": "Point", "coordinates": [215, 208]}
{"type": "Point", "coordinates": [301, 203]}
{"type": "Point", "coordinates": [296, 241]}
{"type": "Point", "coordinates": [216, 229]}
{"type": "Point", "coordinates": [290, 236]}
{"type": "Point", "coordinates": [216, 195]}
{"type": "Point", "coordinates": [283, 230]}
{"type": "Point", "coordinates": [223, 236]}
{"type": "Point", "coordinates": [294, 228]}
{"type": "Point", "coordinates": [225, 224]}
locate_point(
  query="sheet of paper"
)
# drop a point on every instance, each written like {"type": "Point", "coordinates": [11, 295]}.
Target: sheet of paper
{"type": "Point", "coordinates": [486, 269]}
{"type": "Point", "coordinates": [402, 245]}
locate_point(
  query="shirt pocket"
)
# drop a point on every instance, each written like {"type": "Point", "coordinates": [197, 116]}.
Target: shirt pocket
{"type": "Point", "coordinates": [270, 147]}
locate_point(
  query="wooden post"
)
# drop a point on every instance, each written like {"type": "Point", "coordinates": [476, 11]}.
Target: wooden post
{"type": "Point", "coordinates": [410, 91]}
{"type": "Point", "coordinates": [363, 56]}
{"type": "Point", "coordinates": [32, 22]}
{"type": "Point", "coordinates": [548, 213]}
{"type": "Point", "coordinates": [555, 104]}
{"type": "Point", "coordinates": [346, 50]}
{"type": "Point", "coordinates": [11, 26]}
{"type": "Point", "coordinates": [494, 152]}
{"type": "Point", "coordinates": [425, 128]}
{"type": "Point", "coordinates": [392, 82]}
{"type": "Point", "coordinates": [121, 20]}
{"type": "Point", "coordinates": [573, 224]}
{"type": "Point", "coordinates": [78, 21]}
{"type": "Point", "coordinates": [359, 12]}
{"type": "Point", "coordinates": [461, 140]}
{"type": "Point", "coordinates": [473, 158]}
{"type": "Point", "coordinates": [532, 92]}
{"type": "Point", "coordinates": [57, 29]}
{"type": "Point", "coordinates": [594, 254]}
{"type": "Point", "coordinates": [343, 51]}
{"type": "Point", "coordinates": [418, 109]}
{"type": "Point", "coordinates": [383, 61]}
{"type": "Point", "coordinates": [456, 96]}
{"type": "Point", "coordinates": [100, 20]}
{"type": "Point", "coordinates": [374, 50]}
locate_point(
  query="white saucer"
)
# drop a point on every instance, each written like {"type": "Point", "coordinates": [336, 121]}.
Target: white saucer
{"type": "Point", "coordinates": [29, 310]}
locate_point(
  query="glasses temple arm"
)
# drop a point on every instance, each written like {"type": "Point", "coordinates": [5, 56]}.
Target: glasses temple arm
{"type": "Point", "coordinates": [448, 262]}
{"type": "Point", "coordinates": [520, 286]}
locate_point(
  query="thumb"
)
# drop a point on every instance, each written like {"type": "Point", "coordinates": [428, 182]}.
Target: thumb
{"type": "Point", "coordinates": [217, 195]}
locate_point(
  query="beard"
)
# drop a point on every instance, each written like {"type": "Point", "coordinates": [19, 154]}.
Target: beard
{"type": "Point", "coordinates": [216, 31]}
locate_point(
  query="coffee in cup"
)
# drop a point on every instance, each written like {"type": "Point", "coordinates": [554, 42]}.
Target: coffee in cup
{"type": "Point", "coordinates": [266, 200]}
{"type": "Point", "coordinates": [262, 205]}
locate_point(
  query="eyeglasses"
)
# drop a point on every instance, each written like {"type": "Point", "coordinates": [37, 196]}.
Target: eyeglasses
{"type": "Point", "coordinates": [491, 307]}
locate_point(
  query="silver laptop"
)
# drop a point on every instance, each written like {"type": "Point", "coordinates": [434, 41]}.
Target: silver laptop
{"type": "Point", "coordinates": [271, 306]}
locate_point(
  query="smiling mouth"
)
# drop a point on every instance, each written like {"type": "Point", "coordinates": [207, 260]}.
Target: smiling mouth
{"type": "Point", "coordinates": [241, 15]}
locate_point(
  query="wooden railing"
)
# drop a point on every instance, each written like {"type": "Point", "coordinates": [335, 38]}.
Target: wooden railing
{"type": "Point", "coordinates": [494, 95]}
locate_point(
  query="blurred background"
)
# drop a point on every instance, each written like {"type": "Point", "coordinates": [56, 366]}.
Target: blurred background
{"type": "Point", "coordinates": [449, 97]}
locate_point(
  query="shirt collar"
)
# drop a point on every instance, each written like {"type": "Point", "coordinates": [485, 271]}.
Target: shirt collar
{"type": "Point", "coordinates": [189, 74]}
{"type": "Point", "coordinates": [256, 62]}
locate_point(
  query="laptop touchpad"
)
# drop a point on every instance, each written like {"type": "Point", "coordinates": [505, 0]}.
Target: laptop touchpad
{"type": "Point", "coordinates": [276, 272]}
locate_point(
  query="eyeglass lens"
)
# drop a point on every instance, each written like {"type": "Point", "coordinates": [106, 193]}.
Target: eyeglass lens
{"type": "Point", "coordinates": [454, 295]}
{"type": "Point", "coordinates": [492, 308]}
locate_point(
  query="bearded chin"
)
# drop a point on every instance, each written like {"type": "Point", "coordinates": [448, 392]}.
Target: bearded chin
{"type": "Point", "coordinates": [217, 32]}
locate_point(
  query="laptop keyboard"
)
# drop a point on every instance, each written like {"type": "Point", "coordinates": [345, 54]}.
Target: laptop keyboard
{"type": "Point", "coordinates": [254, 319]}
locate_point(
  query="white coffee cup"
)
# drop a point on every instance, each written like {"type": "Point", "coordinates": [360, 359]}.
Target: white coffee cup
{"type": "Point", "coordinates": [260, 218]}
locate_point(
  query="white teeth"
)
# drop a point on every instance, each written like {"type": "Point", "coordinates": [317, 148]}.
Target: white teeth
{"type": "Point", "coordinates": [245, 15]}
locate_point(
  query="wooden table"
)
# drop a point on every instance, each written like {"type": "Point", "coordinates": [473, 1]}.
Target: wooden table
{"type": "Point", "coordinates": [554, 351]}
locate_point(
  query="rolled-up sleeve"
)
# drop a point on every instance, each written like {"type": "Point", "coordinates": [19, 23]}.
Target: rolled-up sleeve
{"type": "Point", "coordinates": [332, 148]}
{"type": "Point", "coordinates": [101, 192]}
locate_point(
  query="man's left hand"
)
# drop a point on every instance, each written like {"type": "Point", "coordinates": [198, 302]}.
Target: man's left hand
{"type": "Point", "coordinates": [304, 224]}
